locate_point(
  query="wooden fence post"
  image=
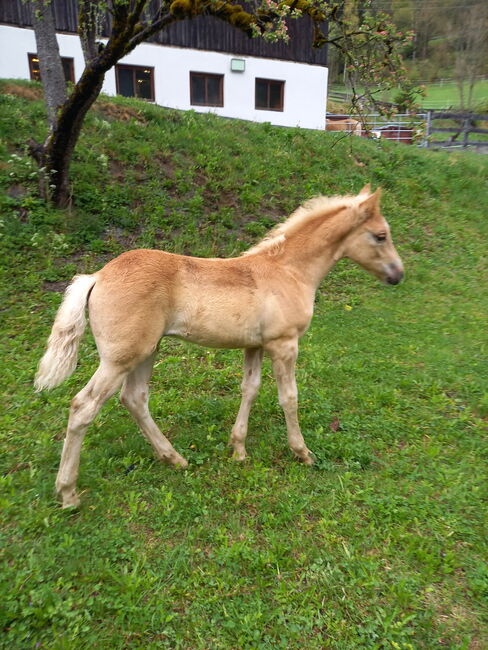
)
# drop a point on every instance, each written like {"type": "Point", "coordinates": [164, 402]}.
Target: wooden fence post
{"type": "Point", "coordinates": [466, 130]}
{"type": "Point", "coordinates": [428, 126]}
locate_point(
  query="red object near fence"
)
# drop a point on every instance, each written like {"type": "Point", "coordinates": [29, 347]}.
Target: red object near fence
{"type": "Point", "coordinates": [396, 132]}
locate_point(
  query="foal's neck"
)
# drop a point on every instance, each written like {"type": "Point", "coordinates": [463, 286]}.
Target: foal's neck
{"type": "Point", "coordinates": [312, 256]}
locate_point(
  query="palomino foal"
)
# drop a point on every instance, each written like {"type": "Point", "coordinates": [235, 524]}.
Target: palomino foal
{"type": "Point", "coordinates": [261, 302]}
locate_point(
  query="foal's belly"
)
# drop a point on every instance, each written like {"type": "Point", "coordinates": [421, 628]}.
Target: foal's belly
{"type": "Point", "coordinates": [215, 332]}
{"type": "Point", "coordinates": [209, 341]}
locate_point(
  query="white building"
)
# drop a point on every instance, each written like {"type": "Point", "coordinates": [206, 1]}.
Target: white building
{"type": "Point", "coordinates": [200, 64]}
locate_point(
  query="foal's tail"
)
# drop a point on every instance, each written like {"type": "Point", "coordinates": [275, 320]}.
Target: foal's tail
{"type": "Point", "coordinates": [60, 358]}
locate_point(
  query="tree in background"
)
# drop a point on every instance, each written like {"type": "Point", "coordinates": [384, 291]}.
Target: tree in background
{"type": "Point", "coordinates": [369, 43]}
{"type": "Point", "coordinates": [449, 38]}
{"type": "Point", "coordinates": [469, 36]}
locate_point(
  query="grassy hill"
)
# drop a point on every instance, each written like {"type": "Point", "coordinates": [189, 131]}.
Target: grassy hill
{"type": "Point", "coordinates": [382, 543]}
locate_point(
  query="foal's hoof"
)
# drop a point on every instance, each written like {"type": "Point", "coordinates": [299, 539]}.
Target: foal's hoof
{"type": "Point", "coordinates": [71, 502]}
{"type": "Point", "coordinates": [239, 456]}
{"type": "Point", "coordinates": [67, 495]}
{"type": "Point", "coordinates": [174, 459]}
{"type": "Point", "coordinates": [179, 461]}
{"type": "Point", "coordinates": [306, 457]}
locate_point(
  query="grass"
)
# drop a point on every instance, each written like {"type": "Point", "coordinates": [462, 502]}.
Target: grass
{"type": "Point", "coordinates": [442, 96]}
{"type": "Point", "coordinates": [447, 95]}
{"type": "Point", "coordinates": [383, 543]}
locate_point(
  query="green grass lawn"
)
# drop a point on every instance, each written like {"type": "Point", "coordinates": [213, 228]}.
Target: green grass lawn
{"type": "Point", "coordinates": [447, 95]}
{"type": "Point", "coordinates": [443, 96]}
{"type": "Point", "coordinates": [383, 543]}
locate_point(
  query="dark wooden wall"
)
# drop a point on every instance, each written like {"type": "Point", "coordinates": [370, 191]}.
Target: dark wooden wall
{"type": "Point", "coordinates": [202, 33]}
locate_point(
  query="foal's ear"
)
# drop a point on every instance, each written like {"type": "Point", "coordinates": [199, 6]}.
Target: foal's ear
{"type": "Point", "coordinates": [366, 189]}
{"type": "Point", "coordinates": [370, 206]}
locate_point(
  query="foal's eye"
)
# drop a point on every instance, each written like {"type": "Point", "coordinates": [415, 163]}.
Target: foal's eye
{"type": "Point", "coordinates": [380, 237]}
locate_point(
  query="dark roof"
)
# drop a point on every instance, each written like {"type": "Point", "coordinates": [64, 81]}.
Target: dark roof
{"type": "Point", "coordinates": [201, 33]}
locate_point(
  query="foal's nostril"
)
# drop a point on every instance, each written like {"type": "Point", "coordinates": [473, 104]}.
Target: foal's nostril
{"type": "Point", "coordinates": [394, 274]}
{"type": "Point", "coordinates": [394, 279]}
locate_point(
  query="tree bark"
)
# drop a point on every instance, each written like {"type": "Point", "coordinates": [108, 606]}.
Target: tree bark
{"type": "Point", "coordinates": [49, 59]}
{"type": "Point", "coordinates": [61, 142]}
{"type": "Point", "coordinates": [89, 17]}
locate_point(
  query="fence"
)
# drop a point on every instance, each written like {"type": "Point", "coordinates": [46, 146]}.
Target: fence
{"type": "Point", "coordinates": [448, 81]}
{"type": "Point", "coordinates": [404, 127]}
{"type": "Point", "coordinates": [417, 129]}
{"type": "Point", "coordinates": [347, 97]}
{"type": "Point", "coordinates": [464, 125]}
{"type": "Point", "coordinates": [339, 96]}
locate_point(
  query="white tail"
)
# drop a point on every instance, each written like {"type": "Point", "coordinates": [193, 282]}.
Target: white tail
{"type": "Point", "coordinates": [60, 358]}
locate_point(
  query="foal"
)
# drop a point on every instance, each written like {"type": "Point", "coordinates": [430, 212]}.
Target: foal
{"type": "Point", "coordinates": [261, 302]}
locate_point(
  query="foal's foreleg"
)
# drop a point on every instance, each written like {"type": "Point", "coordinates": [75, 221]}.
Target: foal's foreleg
{"type": "Point", "coordinates": [253, 359]}
{"type": "Point", "coordinates": [135, 396]}
{"type": "Point", "coordinates": [283, 354]}
{"type": "Point", "coordinates": [84, 407]}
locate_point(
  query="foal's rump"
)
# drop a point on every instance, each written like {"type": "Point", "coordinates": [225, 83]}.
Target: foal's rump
{"type": "Point", "coordinates": [129, 305]}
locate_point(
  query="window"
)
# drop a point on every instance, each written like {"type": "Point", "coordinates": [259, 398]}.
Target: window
{"type": "Point", "coordinates": [35, 72]}
{"type": "Point", "coordinates": [269, 94]}
{"type": "Point", "coordinates": [206, 89]}
{"type": "Point", "coordinates": [135, 81]}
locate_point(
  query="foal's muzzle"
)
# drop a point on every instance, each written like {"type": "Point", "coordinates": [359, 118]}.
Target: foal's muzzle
{"type": "Point", "coordinates": [394, 274]}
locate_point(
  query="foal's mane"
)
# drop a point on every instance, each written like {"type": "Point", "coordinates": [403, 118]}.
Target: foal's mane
{"type": "Point", "coordinates": [319, 206]}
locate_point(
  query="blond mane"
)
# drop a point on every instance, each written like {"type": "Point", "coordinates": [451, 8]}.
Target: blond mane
{"type": "Point", "coordinates": [317, 206]}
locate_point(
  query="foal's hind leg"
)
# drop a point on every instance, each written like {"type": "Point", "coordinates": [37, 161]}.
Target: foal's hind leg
{"type": "Point", "coordinates": [135, 396]}
{"type": "Point", "coordinates": [84, 407]}
{"type": "Point", "coordinates": [283, 354]}
{"type": "Point", "coordinates": [251, 380]}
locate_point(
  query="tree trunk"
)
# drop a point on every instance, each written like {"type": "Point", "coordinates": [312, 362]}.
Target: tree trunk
{"type": "Point", "coordinates": [49, 59]}
{"type": "Point", "coordinates": [61, 142]}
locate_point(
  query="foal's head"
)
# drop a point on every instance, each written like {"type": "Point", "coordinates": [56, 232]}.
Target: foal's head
{"type": "Point", "coordinates": [369, 242]}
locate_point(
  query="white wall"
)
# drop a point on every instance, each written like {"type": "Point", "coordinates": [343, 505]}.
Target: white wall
{"type": "Point", "coordinates": [16, 43]}
{"type": "Point", "coordinates": [305, 85]}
